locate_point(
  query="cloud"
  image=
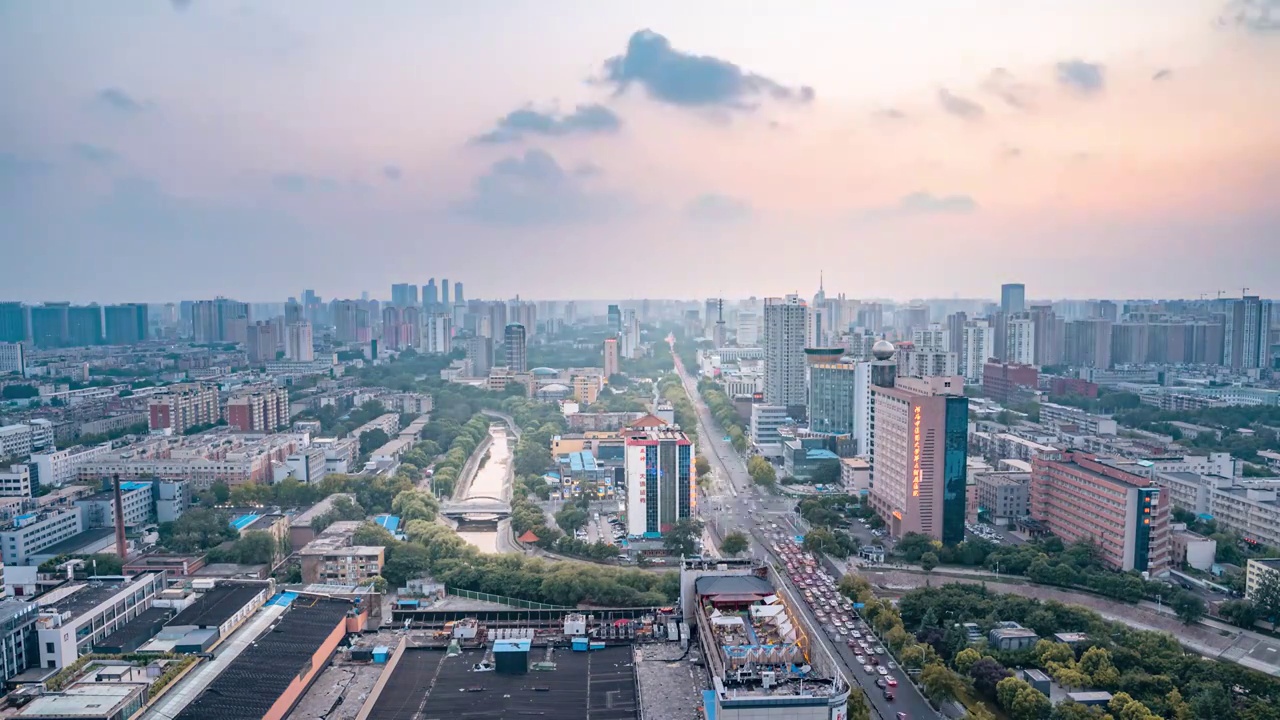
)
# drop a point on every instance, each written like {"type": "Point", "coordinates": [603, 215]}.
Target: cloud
{"type": "Point", "coordinates": [1004, 85]}
{"type": "Point", "coordinates": [1162, 74]}
{"type": "Point", "coordinates": [180, 5]}
{"type": "Point", "coordinates": [533, 189]}
{"type": "Point", "coordinates": [683, 79]}
{"type": "Point", "coordinates": [1009, 152]}
{"type": "Point", "coordinates": [119, 101]}
{"type": "Point", "coordinates": [889, 114]}
{"type": "Point", "coordinates": [95, 154]}
{"type": "Point", "coordinates": [959, 106]}
{"type": "Point", "coordinates": [392, 172]}
{"type": "Point", "coordinates": [16, 167]}
{"type": "Point", "coordinates": [585, 119]}
{"type": "Point", "coordinates": [921, 203]}
{"type": "Point", "coordinates": [716, 208]}
{"type": "Point", "coordinates": [1259, 16]}
{"type": "Point", "coordinates": [301, 183]}
{"type": "Point", "coordinates": [1084, 77]}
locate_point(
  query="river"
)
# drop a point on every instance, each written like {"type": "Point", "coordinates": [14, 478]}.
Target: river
{"type": "Point", "coordinates": [488, 482]}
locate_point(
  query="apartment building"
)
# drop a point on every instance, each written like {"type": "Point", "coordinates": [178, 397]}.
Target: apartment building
{"type": "Point", "coordinates": [183, 407]}
{"type": "Point", "coordinates": [136, 501]}
{"type": "Point", "coordinates": [1078, 496]}
{"type": "Point", "coordinates": [17, 631]}
{"type": "Point", "coordinates": [332, 558]}
{"type": "Point", "coordinates": [55, 469]}
{"type": "Point", "coordinates": [1004, 382]}
{"type": "Point", "coordinates": [15, 481]}
{"type": "Point", "coordinates": [1085, 423]}
{"type": "Point", "coordinates": [204, 459]}
{"type": "Point", "coordinates": [73, 618]}
{"type": "Point", "coordinates": [259, 410]}
{"type": "Point", "coordinates": [1004, 497]}
{"type": "Point", "coordinates": [388, 423]}
{"type": "Point", "coordinates": [1257, 571]}
{"type": "Point", "coordinates": [27, 535]}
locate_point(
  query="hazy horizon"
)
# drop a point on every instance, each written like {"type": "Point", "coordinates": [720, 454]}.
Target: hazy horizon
{"type": "Point", "coordinates": [193, 148]}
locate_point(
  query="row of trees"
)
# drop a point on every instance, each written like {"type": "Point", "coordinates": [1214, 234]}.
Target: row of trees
{"type": "Point", "coordinates": [725, 414]}
{"type": "Point", "coordinates": [462, 443]}
{"type": "Point", "coordinates": [1149, 668]}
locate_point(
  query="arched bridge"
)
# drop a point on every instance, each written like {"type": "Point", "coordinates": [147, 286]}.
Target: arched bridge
{"type": "Point", "coordinates": [476, 505]}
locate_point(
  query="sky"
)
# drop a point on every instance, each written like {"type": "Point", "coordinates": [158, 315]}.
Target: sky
{"type": "Point", "coordinates": [155, 150]}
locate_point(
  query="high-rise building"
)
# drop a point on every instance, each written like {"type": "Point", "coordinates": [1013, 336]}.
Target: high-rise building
{"type": "Point", "coordinates": [49, 325]}
{"type": "Point", "coordinates": [1049, 329]}
{"type": "Point", "coordinates": [927, 363]}
{"type": "Point", "coordinates": [748, 329]}
{"type": "Point", "coordinates": [911, 318]}
{"type": "Point", "coordinates": [1020, 339]}
{"type": "Point", "coordinates": [444, 291]}
{"type": "Point", "coordinates": [1087, 343]}
{"type": "Point", "coordinates": [1013, 298]}
{"type": "Point", "coordinates": [978, 347]}
{"type": "Point", "coordinates": [832, 403]}
{"type": "Point", "coordinates": [630, 337]}
{"type": "Point", "coordinates": [919, 456]}
{"type": "Point", "coordinates": [298, 344]}
{"type": "Point", "coordinates": [351, 321]}
{"type": "Point", "coordinates": [437, 334]}
{"type": "Point", "coordinates": [514, 345]}
{"type": "Point", "coordinates": [220, 321]}
{"type": "Point", "coordinates": [429, 297]}
{"type": "Point", "coordinates": [658, 464]}
{"type": "Point", "coordinates": [84, 325]}
{"type": "Point", "coordinates": [1129, 343]}
{"type": "Point", "coordinates": [293, 312]}
{"type": "Point", "coordinates": [1246, 341]}
{"type": "Point", "coordinates": [955, 333]}
{"type": "Point", "coordinates": [184, 406]}
{"type": "Point", "coordinates": [12, 358]}
{"type": "Point", "coordinates": [13, 322]}
{"type": "Point", "coordinates": [126, 324]}
{"type": "Point", "coordinates": [1003, 382]}
{"type": "Point", "coordinates": [261, 342]}
{"type": "Point", "coordinates": [785, 328]}
{"type": "Point", "coordinates": [615, 318]}
{"type": "Point", "coordinates": [932, 337]}
{"type": "Point", "coordinates": [457, 294]}
{"type": "Point", "coordinates": [1078, 496]}
{"type": "Point", "coordinates": [611, 366]}
{"type": "Point", "coordinates": [480, 355]}
{"type": "Point", "coordinates": [404, 295]}
{"type": "Point", "coordinates": [401, 327]}
{"type": "Point", "coordinates": [259, 410]}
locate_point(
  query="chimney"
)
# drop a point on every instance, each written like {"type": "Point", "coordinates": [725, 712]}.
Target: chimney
{"type": "Point", "coordinates": [119, 506]}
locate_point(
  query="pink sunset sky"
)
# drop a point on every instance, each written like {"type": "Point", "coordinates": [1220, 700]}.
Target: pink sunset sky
{"type": "Point", "coordinates": [157, 150]}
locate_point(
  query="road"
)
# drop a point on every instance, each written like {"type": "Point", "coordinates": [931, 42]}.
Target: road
{"type": "Point", "coordinates": [740, 503]}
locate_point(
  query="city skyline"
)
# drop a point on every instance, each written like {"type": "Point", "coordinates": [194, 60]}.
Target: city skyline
{"type": "Point", "coordinates": [1084, 149]}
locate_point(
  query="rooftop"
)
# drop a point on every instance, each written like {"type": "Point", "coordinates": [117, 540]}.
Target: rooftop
{"type": "Point", "coordinates": [217, 605]}
{"type": "Point", "coordinates": [1273, 563]}
{"type": "Point", "coordinates": [84, 597]}
{"type": "Point", "coordinates": [77, 541]}
{"type": "Point", "coordinates": [256, 679]}
{"type": "Point", "coordinates": [136, 631]}
{"type": "Point", "coordinates": [87, 701]}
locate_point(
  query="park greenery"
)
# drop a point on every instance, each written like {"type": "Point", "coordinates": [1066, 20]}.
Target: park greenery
{"type": "Point", "coordinates": [735, 543]}
{"type": "Point", "coordinates": [1149, 674]}
{"type": "Point", "coordinates": [762, 471]}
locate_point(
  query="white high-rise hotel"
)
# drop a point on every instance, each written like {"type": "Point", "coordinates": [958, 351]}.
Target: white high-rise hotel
{"type": "Point", "coordinates": [785, 328]}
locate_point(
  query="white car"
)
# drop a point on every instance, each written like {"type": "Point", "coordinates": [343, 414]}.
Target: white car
{"type": "Point", "coordinates": [882, 670]}
{"type": "Point", "coordinates": [868, 669]}
{"type": "Point", "coordinates": [862, 659]}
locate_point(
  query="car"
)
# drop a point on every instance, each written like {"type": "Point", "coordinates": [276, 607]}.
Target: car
{"type": "Point", "coordinates": [892, 681]}
{"type": "Point", "coordinates": [891, 665]}
{"type": "Point", "coordinates": [868, 669]}
{"type": "Point", "coordinates": [901, 716]}
{"type": "Point", "coordinates": [880, 682]}
{"type": "Point", "coordinates": [882, 670]}
{"type": "Point", "coordinates": [862, 659]}
{"type": "Point", "coordinates": [857, 634]}
{"type": "Point", "coordinates": [879, 650]}
{"type": "Point", "coordinates": [888, 694]}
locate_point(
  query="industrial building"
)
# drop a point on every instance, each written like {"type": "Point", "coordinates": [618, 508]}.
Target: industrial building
{"type": "Point", "coordinates": [75, 618]}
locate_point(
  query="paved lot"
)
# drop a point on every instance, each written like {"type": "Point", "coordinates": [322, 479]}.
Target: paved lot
{"type": "Point", "coordinates": [670, 685]}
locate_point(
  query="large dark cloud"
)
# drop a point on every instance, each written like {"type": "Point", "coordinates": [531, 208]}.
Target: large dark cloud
{"type": "Point", "coordinates": [1260, 16]}
{"type": "Point", "coordinates": [1004, 85]}
{"type": "Point", "coordinates": [717, 208]}
{"type": "Point", "coordinates": [533, 189]}
{"type": "Point", "coordinates": [1084, 77]}
{"type": "Point", "coordinates": [683, 79]}
{"type": "Point", "coordinates": [584, 120]}
{"type": "Point", "coordinates": [961, 107]}
{"type": "Point", "coordinates": [95, 154]}
{"type": "Point", "coordinates": [119, 101]}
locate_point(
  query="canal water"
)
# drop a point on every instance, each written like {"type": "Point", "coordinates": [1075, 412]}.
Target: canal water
{"type": "Point", "coordinates": [488, 482]}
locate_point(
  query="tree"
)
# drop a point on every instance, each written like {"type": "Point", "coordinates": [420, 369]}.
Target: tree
{"type": "Point", "coordinates": [1096, 663]}
{"type": "Point", "coordinates": [1266, 596]}
{"type": "Point", "coordinates": [255, 548]}
{"type": "Point", "coordinates": [371, 440]}
{"type": "Point", "coordinates": [571, 517]}
{"type": "Point", "coordinates": [1241, 613]}
{"type": "Point", "coordinates": [856, 708]}
{"type": "Point", "coordinates": [987, 673]}
{"type": "Point", "coordinates": [914, 545]}
{"type": "Point", "coordinates": [1007, 690]}
{"type": "Point", "coordinates": [939, 683]}
{"type": "Point", "coordinates": [682, 537]}
{"type": "Point", "coordinates": [965, 660]}
{"type": "Point", "coordinates": [762, 471]}
{"type": "Point", "coordinates": [1030, 704]}
{"type": "Point", "coordinates": [826, 472]}
{"type": "Point", "coordinates": [735, 543]}
{"type": "Point", "coordinates": [221, 492]}
{"type": "Point", "coordinates": [929, 561]}
{"type": "Point", "coordinates": [979, 712]}
{"type": "Point", "coordinates": [702, 466]}
{"type": "Point", "coordinates": [1190, 607]}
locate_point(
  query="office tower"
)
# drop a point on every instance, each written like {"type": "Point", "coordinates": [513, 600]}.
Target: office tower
{"type": "Point", "coordinates": [709, 316]}
{"type": "Point", "coordinates": [1049, 329]}
{"type": "Point", "coordinates": [13, 322]}
{"type": "Point", "coordinates": [12, 358]}
{"type": "Point", "coordinates": [658, 464]}
{"type": "Point", "coordinates": [909, 319]}
{"type": "Point", "coordinates": [293, 312]}
{"type": "Point", "coordinates": [615, 318]}
{"type": "Point", "coordinates": [630, 336]}
{"type": "Point", "coordinates": [832, 403]}
{"type": "Point", "coordinates": [184, 406]}
{"type": "Point", "coordinates": [1013, 298]}
{"type": "Point", "coordinates": [351, 321]}
{"type": "Point", "coordinates": [457, 294]}
{"type": "Point", "coordinates": [1020, 340]}
{"type": "Point", "coordinates": [871, 317]}
{"type": "Point", "coordinates": [919, 456]}
{"type": "Point", "coordinates": [49, 325]}
{"type": "Point", "coordinates": [437, 334]}
{"type": "Point", "coordinates": [719, 334]}
{"type": "Point", "coordinates": [978, 347]}
{"type": "Point", "coordinates": [429, 297]}
{"type": "Point", "coordinates": [748, 329]}
{"type": "Point", "coordinates": [513, 343]}
{"type": "Point", "coordinates": [570, 313]}
{"type": "Point", "coordinates": [261, 342]}
{"type": "Point", "coordinates": [298, 342]}
{"type": "Point", "coordinates": [932, 337]}
{"type": "Point", "coordinates": [84, 325]}
{"type": "Point", "coordinates": [611, 365]}
{"type": "Point", "coordinates": [404, 294]}
{"type": "Point", "coordinates": [785, 324]}
{"type": "Point", "coordinates": [1087, 343]}
{"type": "Point", "coordinates": [126, 324]}
{"type": "Point", "coordinates": [219, 321]}
{"type": "Point", "coordinates": [1078, 496]}
{"type": "Point", "coordinates": [1246, 339]}
{"type": "Point", "coordinates": [955, 332]}
{"type": "Point", "coordinates": [444, 291]}
{"type": "Point", "coordinates": [878, 369]}
{"type": "Point", "coordinates": [480, 355]}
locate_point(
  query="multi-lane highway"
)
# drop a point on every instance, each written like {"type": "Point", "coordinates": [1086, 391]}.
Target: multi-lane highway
{"type": "Point", "coordinates": [737, 503]}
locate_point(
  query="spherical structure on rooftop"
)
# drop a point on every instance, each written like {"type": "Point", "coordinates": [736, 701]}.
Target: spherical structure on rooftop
{"type": "Point", "coordinates": [882, 350]}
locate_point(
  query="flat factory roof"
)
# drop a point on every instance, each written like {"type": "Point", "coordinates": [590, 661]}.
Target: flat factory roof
{"type": "Point", "coordinates": [216, 606]}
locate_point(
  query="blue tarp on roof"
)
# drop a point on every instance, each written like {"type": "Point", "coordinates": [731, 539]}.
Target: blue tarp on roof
{"type": "Point", "coordinates": [244, 521]}
{"type": "Point", "coordinates": [820, 455]}
{"type": "Point", "coordinates": [582, 461]}
{"type": "Point", "coordinates": [390, 522]}
{"type": "Point", "coordinates": [127, 486]}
